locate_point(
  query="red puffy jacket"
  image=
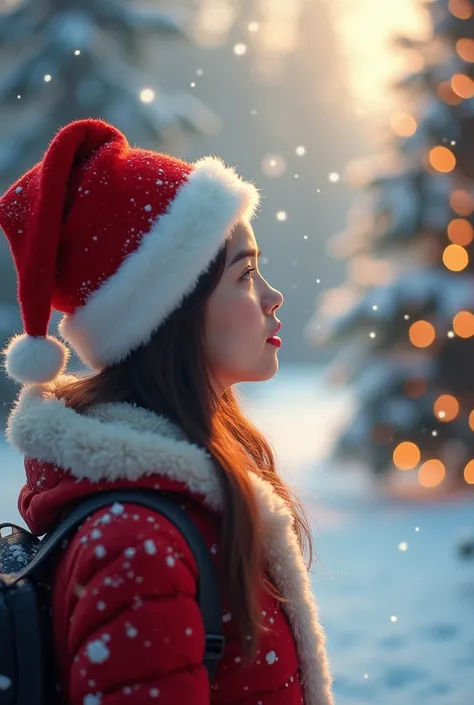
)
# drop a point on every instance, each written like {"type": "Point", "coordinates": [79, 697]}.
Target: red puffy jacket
{"type": "Point", "coordinates": [127, 627]}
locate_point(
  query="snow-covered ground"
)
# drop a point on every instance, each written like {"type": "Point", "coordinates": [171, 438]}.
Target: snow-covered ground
{"type": "Point", "coordinates": [400, 623]}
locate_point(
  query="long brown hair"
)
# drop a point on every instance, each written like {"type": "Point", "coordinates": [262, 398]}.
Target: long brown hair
{"type": "Point", "coordinates": [170, 376]}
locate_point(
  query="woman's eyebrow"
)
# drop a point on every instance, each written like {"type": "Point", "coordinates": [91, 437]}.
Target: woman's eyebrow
{"type": "Point", "coordinates": [243, 254]}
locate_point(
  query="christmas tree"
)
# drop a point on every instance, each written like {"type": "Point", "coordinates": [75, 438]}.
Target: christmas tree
{"type": "Point", "coordinates": [404, 322]}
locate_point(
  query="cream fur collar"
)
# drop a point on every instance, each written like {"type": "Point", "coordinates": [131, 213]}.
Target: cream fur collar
{"type": "Point", "coordinates": [123, 441]}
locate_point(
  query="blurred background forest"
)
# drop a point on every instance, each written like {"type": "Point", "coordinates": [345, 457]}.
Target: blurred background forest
{"type": "Point", "coordinates": [245, 80]}
{"type": "Point", "coordinates": [312, 100]}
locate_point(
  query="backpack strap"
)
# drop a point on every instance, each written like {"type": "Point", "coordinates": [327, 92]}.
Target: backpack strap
{"type": "Point", "coordinates": [209, 597]}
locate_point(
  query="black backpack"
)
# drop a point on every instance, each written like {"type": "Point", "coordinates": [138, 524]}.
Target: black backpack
{"type": "Point", "coordinates": [27, 671]}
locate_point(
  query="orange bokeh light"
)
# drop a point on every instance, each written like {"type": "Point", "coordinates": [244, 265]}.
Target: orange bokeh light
{"type": "Point", "coordinates": [455, 258]}
{"type": "Point", "coordinates": [403, 124]}
{"type": "Point", "coordinates": [471, 420]}
{"type": "Point", "coordinates": [462, 85]}
{"type": "Point", "coordinates": [463, 324]}
{"type": "Point", "coordinates": [431, 473]}
{"type": "Point", "coordinates": [462, 9]}
{"type": "Point", "coordinates": [406, 456]}
{"type": "Point", "coordinates": [421, 334]}
{"type": "Point", "coordinates": [461, 202]}
{"type": "Point", "coordinates": [460, 231]}
{"type": "Point", "coordinates": [465, 49]}
{"type": "Point", "coordinates": [442, 159]}
{"type": "Point", "coordinates": [446, 407]}
{"type": "Point", "coordinates": [447, 94]}
{"type": "Point", "coordinates": [469, 473]}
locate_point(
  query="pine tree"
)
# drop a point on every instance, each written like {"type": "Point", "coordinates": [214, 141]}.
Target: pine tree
{"type": "Point", "coordinates": [62, 60]}
{"type": "Point", "coordinates": [404, 323]}
{"type": "Point", "coordinates": [67, 59]}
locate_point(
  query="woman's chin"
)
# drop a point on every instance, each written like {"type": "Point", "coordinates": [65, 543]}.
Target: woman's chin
{"type": "Point", "coordinates": [264, 374]}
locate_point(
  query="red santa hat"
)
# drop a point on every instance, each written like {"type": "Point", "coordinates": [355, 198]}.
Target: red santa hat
{"type": "Point", "coordinates": [114, 237]}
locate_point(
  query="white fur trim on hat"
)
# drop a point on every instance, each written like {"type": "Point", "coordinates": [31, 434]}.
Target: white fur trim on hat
{"type": "Point", "coordinates": [152, 281]}
{"type": "Point", "coordinates": [30, 359]}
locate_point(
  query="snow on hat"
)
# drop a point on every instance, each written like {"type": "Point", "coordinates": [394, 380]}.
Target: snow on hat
{"type": "Point", "coordinates": [114, 237]}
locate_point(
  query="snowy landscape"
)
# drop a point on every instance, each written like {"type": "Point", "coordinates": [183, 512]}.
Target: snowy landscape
{"type": "Point", "coordinates": [396, 600]}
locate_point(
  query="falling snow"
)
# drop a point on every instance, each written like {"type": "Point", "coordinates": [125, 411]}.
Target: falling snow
{"type": "Point", "coordinates": [95, 699]}
{"type": "Point", "coordinates": [97, 651]}
{"type": "Point", "coordinates": [100, 551]}
{"type": "Point", "coordinates": [150, 547]}
{"type": "Point", "coordinates": [273, 165]}
{"type": "Point", "coordinates": [117, 508]}
{"type": "Point", "coordinates": [240, 49]}
{"type": "Point", "coordinates": [131, 631]}
{"type": "Point", "coordinates": [5, 683]}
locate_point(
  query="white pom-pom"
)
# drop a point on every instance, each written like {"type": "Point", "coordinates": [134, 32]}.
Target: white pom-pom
{"type": "Point", "coordinates": [31, 360]}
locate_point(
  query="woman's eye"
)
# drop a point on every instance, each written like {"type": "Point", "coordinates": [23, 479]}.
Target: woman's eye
{"type": "Point", "coordinates": [248, 271]}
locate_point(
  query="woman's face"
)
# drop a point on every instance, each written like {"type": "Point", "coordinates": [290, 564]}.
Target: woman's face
{"type": "Point", "coordinates": [240, 316]}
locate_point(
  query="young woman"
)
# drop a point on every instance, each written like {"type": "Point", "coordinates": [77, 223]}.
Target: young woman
{"type": "Point", "coordinates": [154, 264]}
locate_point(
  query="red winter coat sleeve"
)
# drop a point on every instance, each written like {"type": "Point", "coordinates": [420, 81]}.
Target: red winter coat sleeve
{"type": "Point", "coordinates": [125, 613]}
